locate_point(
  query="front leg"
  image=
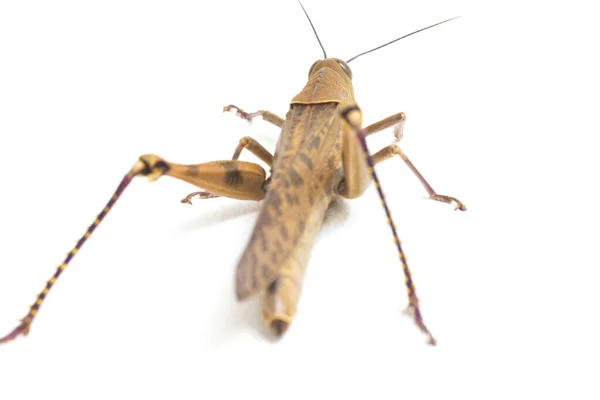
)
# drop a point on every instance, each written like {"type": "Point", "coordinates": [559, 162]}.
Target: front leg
{"type": "Point", "coordinates": [396, 120]}
{"type": "Point", "coordinates": [356, 175]}
{"type": "Point", "coordinates": [266, 115]}
{"type": "Point", "coordinates": [390, 151]}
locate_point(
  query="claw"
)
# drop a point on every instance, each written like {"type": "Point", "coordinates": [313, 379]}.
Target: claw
{"type": "Point", "coordinates": [187, 200]}
{"type": "Point", "coordinates": [22, 329]}
{"type": "Point", "coordinates": [399, 131]}
{"type": "Point", "coordinates": [202, 195]}
{"type": "Point", "coordinates": [413, 311]}
{"type": "Point", "coordinates": [459, 205]}
{"type": "Point", "coordinates": [232, 107]}
{"type": "Point", "coordinates": [450, 200]}
{"type": "Point", "coordinates": [241, 113]}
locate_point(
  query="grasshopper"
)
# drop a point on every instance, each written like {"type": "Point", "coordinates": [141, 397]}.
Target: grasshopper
{"type": "Point", "coordinates": [320, 156]}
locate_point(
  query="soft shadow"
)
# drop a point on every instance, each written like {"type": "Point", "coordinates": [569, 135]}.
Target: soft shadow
{"type": "Point", "coordinates": [246, 316]}
{"type": "Point", "coordinates": [217, 214]}
{"type": "Point", "coordinates": [337, 213]}
{"type": "Point", "coordinates": [238, 317]}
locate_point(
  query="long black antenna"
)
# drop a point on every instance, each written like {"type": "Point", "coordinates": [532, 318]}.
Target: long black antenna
{"type": "Point", "coordinates": [314, 30]}
{"type": "Point", "coordinates": [395, 40]}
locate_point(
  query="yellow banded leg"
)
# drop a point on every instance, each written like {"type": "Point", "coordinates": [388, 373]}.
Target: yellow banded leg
{"type": "Point", "coordinates": [236, 179]}
{"type": "Point", "coordinates": [353, 118]}
{"type": "Point", "coordinates": [25, 325]}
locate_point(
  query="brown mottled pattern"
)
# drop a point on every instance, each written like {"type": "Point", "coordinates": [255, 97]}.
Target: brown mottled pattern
{"type": "Point", "coordinates": [300, 191]}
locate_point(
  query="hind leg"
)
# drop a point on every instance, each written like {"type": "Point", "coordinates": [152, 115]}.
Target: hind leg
{"type": "Point", "coordinates": [236, 179]}
{"type": "Point", "coordinates": [245, 143]}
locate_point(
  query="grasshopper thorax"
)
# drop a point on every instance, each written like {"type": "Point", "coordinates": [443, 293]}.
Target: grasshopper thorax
{"type": "Point", "coordinates": [329, 81]}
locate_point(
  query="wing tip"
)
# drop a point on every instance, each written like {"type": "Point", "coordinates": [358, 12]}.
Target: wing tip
{"type": "Point", "coordinates": [241, 294]}
{"type": "Point", "coordinates": [243, 289]}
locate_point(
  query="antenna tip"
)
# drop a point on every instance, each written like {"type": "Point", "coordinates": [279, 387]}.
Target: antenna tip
{"type": "Point", "coordinates": [313, 28]}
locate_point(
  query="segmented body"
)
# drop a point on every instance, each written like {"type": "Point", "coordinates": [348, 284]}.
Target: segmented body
{"type": "Point", "coordinates": [306, 172]}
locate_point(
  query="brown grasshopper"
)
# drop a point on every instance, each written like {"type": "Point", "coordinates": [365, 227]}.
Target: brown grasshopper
{"type": "Point", "coordinates": [320, 156]}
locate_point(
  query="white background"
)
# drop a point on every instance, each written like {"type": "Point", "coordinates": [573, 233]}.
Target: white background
{"type": "Point", "coordinates": [502, 109]}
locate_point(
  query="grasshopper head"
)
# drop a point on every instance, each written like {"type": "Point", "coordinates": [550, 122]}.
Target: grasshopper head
{"type": "Point", "coordinates": [329, 80]}
{"type": "Point", "coordinates": [335, 64]}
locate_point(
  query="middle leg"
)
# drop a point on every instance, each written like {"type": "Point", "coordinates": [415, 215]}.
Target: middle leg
{"type": "Point", "coordinates": [356, 175]}
{"type": "Point", "coordinates": [245, 143]}
{"type": "Point", "coordinates": [266, 115]}
{"type": "Point", "coordinates": [396, 120]}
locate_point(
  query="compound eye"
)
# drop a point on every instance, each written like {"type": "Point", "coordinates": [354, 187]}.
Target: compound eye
{"type": "Point", "coordinates": [346, 68]}
{"type": "Point", "coordinates": [310, 71]}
